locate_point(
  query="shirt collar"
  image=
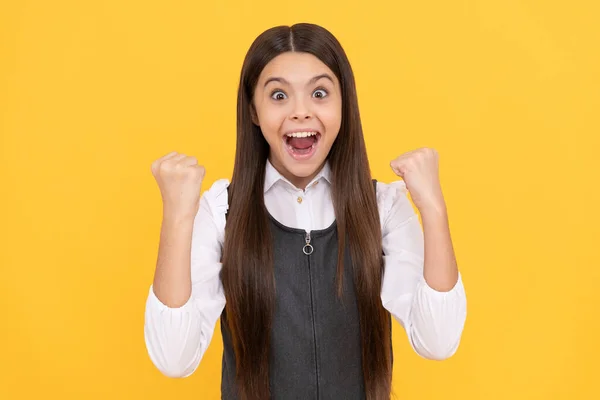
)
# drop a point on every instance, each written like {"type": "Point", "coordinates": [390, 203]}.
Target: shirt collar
{"type": "Point", "coordinates": [273, 176]}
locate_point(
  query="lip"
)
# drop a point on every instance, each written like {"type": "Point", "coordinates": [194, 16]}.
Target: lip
{"type": "Point", "coordinates": [296, 156]}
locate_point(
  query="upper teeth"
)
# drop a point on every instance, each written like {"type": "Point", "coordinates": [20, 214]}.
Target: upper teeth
{"type": "Point", "coordinates": [301, 134]}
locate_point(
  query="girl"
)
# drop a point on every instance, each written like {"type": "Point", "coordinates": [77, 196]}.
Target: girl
{"type": "Point", "coordinates": [303, 257]}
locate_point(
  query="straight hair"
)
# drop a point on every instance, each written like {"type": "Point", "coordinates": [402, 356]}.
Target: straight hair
{"type": "Point", "coordinates": [247, 271]}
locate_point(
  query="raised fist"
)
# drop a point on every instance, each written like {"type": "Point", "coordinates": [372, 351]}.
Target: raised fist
{"type": "Point", "coordinates": [179, 179]}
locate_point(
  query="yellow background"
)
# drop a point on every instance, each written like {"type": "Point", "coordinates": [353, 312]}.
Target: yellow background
{"type": "Point", "coordinates": [92, 92]}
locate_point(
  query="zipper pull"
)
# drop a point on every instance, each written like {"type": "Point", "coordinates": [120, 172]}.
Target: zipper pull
{"type": "Point", "coordinates": [307, 249]}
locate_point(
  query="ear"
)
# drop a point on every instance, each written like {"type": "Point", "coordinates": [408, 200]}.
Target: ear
{"type": "Point", "coordinates": [254, 114]}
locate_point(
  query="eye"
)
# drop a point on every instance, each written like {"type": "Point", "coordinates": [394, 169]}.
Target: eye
{"type": "Point", "coordinates": [278, 95]}
{"type": "Point", "coordinates": [320, 93]}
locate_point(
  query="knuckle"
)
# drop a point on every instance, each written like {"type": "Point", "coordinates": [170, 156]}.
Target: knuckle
{"type": "Point", "coordinates": [199, 171]}
{"type": "Point", "coordinates": [167, 166]}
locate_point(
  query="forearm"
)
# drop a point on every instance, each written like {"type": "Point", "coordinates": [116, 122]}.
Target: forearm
{"type": "Point", "coordinates": [440, 269]}
{"type": "Point", "coordinates": [172, 278]}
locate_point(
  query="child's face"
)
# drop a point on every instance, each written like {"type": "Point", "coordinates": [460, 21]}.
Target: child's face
{"type": "Point", "coordinates": [297, 93]}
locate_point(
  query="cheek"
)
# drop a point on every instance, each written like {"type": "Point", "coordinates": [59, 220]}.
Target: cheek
{"type": "Point", "coordinates": [270, 124]}
{"type": "Point", "coordinates": [332, 119]}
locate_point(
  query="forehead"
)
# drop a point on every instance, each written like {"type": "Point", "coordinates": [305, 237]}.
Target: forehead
{"type": "Point", "coordinates": [295, 67]}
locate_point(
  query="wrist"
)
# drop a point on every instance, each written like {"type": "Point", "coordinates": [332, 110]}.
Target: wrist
{"type": "Point", "coordinates": [177, 218]}
{"type": "Point", "coordinates": [434, 211]}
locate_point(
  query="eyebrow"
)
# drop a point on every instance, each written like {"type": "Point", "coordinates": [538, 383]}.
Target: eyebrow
{"type": "Point", "coordinates": [313, 80]}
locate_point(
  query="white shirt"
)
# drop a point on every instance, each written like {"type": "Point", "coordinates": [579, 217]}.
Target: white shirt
{"type": "Point", "coordinates": [177, 338]}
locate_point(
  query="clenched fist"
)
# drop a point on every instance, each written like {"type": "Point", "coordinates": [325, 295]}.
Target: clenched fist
{"type": "Point", "coordinates": [179, 179]}
{"type": "Point", "coordinates": [420, 171]}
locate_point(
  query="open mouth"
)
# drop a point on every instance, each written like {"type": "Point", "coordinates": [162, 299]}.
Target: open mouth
{"type": "Point", "coordinates": [302, 145]}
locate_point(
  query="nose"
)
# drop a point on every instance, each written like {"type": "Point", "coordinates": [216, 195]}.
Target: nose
{"type": "Point", "coordinates": [301, 111]}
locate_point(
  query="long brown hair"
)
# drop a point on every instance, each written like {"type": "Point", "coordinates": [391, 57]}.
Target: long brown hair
{"type": "Point", "coordinates": [247, 272]}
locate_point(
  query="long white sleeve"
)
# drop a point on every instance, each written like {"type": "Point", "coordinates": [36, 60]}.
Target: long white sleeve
{"type": "Point", "coordinates": [177, 338]}
{"type": "Point", "coordinates": [433, 320]}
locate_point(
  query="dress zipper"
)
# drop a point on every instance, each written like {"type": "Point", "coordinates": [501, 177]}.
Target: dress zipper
{"type": "Point", "coordinates": [308, 249]}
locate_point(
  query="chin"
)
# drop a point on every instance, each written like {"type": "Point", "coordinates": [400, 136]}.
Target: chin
{"type": "Point", "coordinates": [303, 170]}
